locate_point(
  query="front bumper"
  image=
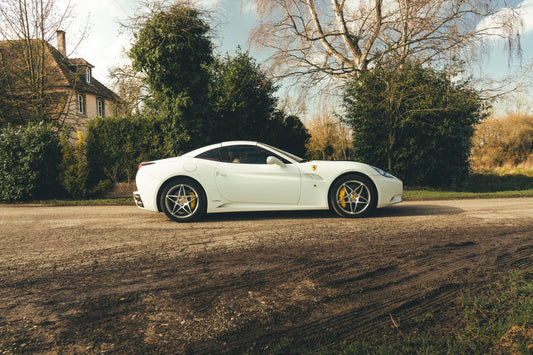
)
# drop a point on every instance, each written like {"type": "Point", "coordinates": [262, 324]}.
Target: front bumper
{"type": "Point", "coordinates": [390, 191]}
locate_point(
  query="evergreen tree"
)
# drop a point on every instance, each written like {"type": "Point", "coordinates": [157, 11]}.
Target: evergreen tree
{"type": "Point", "coordinates": [244, 106]}
{"type": "Point", "coordinates": [173, 50]}
{"type": "Point", "coordinates": [413, 121]}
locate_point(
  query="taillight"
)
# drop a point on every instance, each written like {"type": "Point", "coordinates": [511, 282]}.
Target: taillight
{"type": "Point", "coordinates": [144, 164]}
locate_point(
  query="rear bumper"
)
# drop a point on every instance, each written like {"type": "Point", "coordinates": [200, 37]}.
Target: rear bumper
{"type": "Point", "coordinates": [138, 200]}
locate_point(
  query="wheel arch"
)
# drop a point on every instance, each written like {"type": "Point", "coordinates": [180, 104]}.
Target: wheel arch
{"type": "Point", "coordinates": [358, 173]}
{"type": "Point", "coordinates": [169, 181]}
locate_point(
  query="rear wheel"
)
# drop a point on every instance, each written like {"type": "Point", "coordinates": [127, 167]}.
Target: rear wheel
{"type": "Point", "coordinates": [353, 196]}
{"type": "Point", "coordinates": [183, 200]}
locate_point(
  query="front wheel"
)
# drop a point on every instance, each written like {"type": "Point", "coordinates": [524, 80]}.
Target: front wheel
{"type": "Point", "coordinates": [183, 200]}
{"type": "Point", "coordinates": [353, 196]}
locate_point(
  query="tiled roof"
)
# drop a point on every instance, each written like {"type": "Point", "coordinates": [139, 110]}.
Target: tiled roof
{"type": "Point", "coordinates": [78, 61]}
{"type": "Point", "coordinates": [68, 73]}
{"type": "Point", "coordinates": [74, 70]}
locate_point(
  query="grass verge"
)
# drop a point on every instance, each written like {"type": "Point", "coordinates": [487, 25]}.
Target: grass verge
{"type": "Point", "coordinates": [495, 319]}
{"type": "Point", "coordinates": [120, 201]}
{"type": "Point", "coordinates": [430, 194]}
{"type": "Point", "coordinates": [481, 184]}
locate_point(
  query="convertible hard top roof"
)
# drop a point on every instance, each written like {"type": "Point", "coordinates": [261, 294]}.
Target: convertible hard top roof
{"type": "Point", "coordinates": [198, 151]}
{"type": "Point", "coordinates": [217, 145]}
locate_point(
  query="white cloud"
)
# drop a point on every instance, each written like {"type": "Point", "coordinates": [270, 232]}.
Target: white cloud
{"type": "Point", "coordinates": [527, 15]}
{"type": "Point", "coordinates": [209, 4]}
{"type": "Point", "coordinates": [249, 7]}
{"type": "Point", "coordinates": [508, 21]}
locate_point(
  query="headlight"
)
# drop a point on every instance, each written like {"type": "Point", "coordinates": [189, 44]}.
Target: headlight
{"type": "Point", "coordinates": [383, 173]}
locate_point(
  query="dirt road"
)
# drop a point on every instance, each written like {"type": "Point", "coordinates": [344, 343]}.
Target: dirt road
{"type": "Point", "coordinates": [98, 279]}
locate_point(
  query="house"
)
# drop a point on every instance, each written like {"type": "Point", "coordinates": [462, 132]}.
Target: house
{"type": "Point", "coordinates": [35, 77]}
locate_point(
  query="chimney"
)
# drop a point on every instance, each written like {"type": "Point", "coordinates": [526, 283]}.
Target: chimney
{"type": "Point", "coordinates": [61, 44]}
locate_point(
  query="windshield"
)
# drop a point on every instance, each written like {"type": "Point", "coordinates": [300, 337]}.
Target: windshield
{"type": "Point", "coordinates": [292, 156]}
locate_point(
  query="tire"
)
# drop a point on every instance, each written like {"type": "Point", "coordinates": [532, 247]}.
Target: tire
{"type": "Point", "coordinates": [183, 200]}
{"type": "Point", "coordinates": [353, 196]}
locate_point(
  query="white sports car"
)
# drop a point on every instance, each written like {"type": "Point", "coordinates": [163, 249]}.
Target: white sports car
{"type": "Point", "coordinates": [251, 176]}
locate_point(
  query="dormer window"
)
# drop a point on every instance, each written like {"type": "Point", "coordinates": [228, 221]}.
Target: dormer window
{"type": "Point", "coordinates": [88, 75]}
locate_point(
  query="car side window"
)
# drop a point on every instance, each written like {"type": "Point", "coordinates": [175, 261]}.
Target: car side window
{"type": "Point", "coordinates": [242, 154]}
{"type": "Point", "coordinates": [245, 154]}
{"type": "Point", "coordinates": [213, 154]}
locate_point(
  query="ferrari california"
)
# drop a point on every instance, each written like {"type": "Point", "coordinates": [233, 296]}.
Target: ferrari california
{"type": "Point", "coordinates": [252, 176]}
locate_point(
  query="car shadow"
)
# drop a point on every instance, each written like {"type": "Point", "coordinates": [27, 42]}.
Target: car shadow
{"type": "Point", "coordinates": [268, 215]}
{"type": "Point", "coordinates": [416, 210]}
{"type": "Point", "coordinates": [393, 211]}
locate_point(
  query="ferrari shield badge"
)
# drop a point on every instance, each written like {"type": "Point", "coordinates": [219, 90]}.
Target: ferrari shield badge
{"type": "Point", "coordinates": [313, 167]}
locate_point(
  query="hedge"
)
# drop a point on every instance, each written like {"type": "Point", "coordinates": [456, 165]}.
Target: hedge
{"type": "Point", "coordinates": [29, 160]}
{"type": "Point", "coordinates": [116, 146]}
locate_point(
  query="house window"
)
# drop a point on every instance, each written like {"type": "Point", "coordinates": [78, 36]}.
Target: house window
{"type": "Point", "coordinates": [81, 104]}
{"type": "Point", "coordinates": [88, 75]}
{"type": "Point", "coordinates": [100, 108]}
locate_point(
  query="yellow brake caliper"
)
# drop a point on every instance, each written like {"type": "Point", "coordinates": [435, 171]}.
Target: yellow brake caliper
{"type": "Point", "coordinates": [342, 193]}
{"type": "Point", "coordinates": [193, 200]}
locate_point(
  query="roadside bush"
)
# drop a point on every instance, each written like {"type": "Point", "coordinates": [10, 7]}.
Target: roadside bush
{"type": "Point", "coordinates": [74, 170]}
{"type": "Point", "coordinates": [29, 160]}
{"type": "Point", "coordinates": [503, 142]}
{"type": "Point", "coordinates": [116, 146]}
{"type": "Point", "coordinates": [491, 182]}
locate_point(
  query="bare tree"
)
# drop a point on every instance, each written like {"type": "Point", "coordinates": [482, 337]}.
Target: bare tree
{"type": "Point", "coordinates": [330, 139]}
{"type": "Point", "coordinates": [130, 86]}
{"type": "Point", "coordinates": [26, 28]}
{"type": "Point", "coordinates": [329, 39]}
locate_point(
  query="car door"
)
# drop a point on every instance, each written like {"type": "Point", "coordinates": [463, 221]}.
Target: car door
{"type": "Point", "coordinates": [244, 176]}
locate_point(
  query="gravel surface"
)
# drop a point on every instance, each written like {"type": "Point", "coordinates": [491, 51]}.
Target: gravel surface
{"type": "Point", "coordinates": [119, 279]}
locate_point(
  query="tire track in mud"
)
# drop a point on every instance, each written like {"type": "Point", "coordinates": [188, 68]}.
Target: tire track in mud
{"type": "Point", "coordinates": [521, 258]}
{"type": "Point", "coordinates": [388, 292]}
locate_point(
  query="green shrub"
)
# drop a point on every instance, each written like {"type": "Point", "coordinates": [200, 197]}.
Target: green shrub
{"type": "Point", "coordinates": [29, 160]}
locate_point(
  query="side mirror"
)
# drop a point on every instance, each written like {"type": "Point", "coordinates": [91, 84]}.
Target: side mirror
{"type": "Point", "coordinates": [275, 161]}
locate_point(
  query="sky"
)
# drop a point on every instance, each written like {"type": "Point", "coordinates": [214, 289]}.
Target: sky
{"type": "Point", "coordinates": [105, 44]}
